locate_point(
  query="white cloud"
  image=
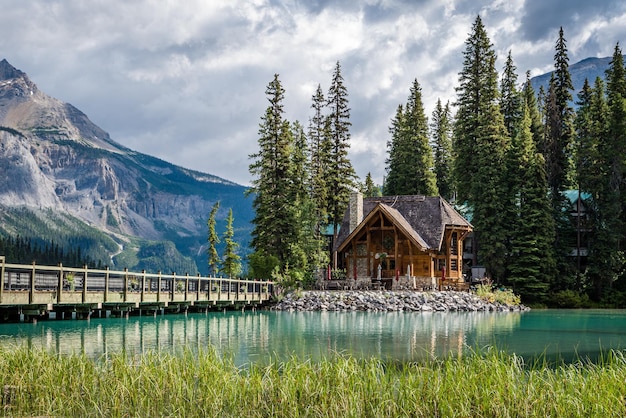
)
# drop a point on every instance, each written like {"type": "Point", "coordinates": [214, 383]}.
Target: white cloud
{"type": "Point", "coordinates": [185, 81]}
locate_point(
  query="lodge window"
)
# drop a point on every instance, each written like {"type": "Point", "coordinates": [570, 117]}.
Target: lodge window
{"type": "Point", "coordinates": [454, 244]}
{"type": "Point", "coordinates": [454, 265]}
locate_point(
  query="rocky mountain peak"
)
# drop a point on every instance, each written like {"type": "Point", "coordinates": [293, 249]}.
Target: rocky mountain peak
{"type": "Point", "coordinates": [9, 72]}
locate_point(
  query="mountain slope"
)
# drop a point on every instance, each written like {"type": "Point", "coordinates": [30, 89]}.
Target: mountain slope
{"type": "Point", "coordinates": [589, 68]}
{"type": "Point", "coordinates": [53, 157]}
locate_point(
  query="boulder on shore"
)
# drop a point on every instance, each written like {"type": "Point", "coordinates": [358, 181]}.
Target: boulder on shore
{"type": "Point", "coordinates": [390, 301]}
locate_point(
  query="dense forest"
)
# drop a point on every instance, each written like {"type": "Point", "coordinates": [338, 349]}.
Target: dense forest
{"type": "Point", "coordinates": [26, 250]}
{"type": "Point", "coordinates": [540, 175]}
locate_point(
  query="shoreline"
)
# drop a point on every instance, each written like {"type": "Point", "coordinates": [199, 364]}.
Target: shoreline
{"type": "Point", "coordinates": [389, 301]}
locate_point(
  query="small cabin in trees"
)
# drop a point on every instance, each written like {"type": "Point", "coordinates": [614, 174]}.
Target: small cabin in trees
{"type": "Point", "coordinates": [406, 240]}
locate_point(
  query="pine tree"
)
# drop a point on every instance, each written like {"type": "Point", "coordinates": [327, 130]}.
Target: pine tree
{"type": "Point", "coordinates": [557, 149]}
{"type": "Point", "coordinates": [231, 266]}
{"type": "Point", "coordinates": [480, 144]}
{"type": "Point", "coordinates": [441, 135]}
{"type": "Point", "coordinates": [308, 249]}
{"type": "Point", "coordinates": [476, 90]}
{"type": "Point", "coordinates": [320, 147]}
{"type": "Point", "coordinates": [560, 125]}
{"type": "Point", "coordinates": [591, 131]}
{"type": "Point", "coordinates": [511, 106]}
{"type": "Point", "coordinates": [510, 102]}
{"type": "Point", "coordinates": [410, 170]}
{"type": "Point", "coordinates": [532, 262]}
{"type": "Point", "coordinates": [340, 175]}
{"type": "Point", "coordinates": [275, 226]}
{"type": "Point", "coordinates": [369, 188]}
{"type": "Point", "coordinates": [394, 154]}
{"type": "Point", "coordinates": [213, 240]}
{"type": "Point", "coordinates": [612, 202]}
{"type": "Point", "coordinates": [532, 106]}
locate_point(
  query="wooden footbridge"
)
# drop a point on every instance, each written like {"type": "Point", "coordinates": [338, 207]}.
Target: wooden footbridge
{"type": "Point", "coordinates": [30, 291]}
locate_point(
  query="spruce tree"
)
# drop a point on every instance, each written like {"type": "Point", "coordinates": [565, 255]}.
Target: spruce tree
{"type": "Point", "coordinates": [320, 148]}
{"type": "Point", "coordinates": [272, 187]}
{"type": "Point", "coordinates": [612, 151]}
{"type": "Point", "coordinates": [340, 175]}
{"type": "Point", "coordinates": [410, 170]}
{"type": "Point", "coordinates": [369, 188]}
{"type": "Point", "coordinates": [591, 131]}
{"type": "Point", "coordinates": [231, 265]}
{"type": "Point", "coordinates": [441, 136]}
{"type": "Point", "coordinates": [480, 144]}
{"type": "Point", "coordinates": [559, 134]}
{"type": "Point", "coordinates": [557, 149]}
{"type": "Point", "coordinates": [532, 107]}
{"type": "Point", "coordinates": [532, 264]}
{"type": "Point", "coordinates": [213, 240]}
{"type": "Point", "coordinates": [510, 100]}
{"type": "Point", "coordinates": [393, 180]}
{"type": "Point", "coordinates": [511, 106]}
{"type": "Point", "coordinates": [475, 77]}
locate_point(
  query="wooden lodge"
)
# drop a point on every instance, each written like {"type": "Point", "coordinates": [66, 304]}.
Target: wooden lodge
{"type": "Point", "coordinates": [401, 242]}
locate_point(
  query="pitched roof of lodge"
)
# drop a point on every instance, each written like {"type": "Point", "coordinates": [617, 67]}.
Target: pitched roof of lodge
{"type": "Point", "coordinates": [423, 218]}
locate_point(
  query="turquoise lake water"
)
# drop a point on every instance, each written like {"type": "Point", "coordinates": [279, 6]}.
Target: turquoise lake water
{"type": "Point", "coordinates": [265, 335]}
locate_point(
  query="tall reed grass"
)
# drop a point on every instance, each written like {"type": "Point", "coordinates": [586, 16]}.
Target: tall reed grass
{"type": "Point", "coordinates": [35, 382]}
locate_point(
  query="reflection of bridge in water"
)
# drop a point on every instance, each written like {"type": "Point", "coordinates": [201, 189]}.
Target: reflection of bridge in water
{"type": "Point", "coordinates": [31, 291]}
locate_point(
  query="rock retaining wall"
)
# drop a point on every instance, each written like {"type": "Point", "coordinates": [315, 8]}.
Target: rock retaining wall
{"type": "Point", "coordinates": [390, 301]}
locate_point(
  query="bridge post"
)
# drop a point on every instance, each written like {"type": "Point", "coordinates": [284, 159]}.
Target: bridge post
{"type": "Point", "coordinates": [186, 286]}
{"type": "Point", "coordinates": [143, 284]}
{"type": "Point", "coordinates": [198, 285]}
{"type": "Point", "coordinates": [125, 292]}
{"type": "Point", "coordinates": [84, 296]}
{"type": "Point", "coordinates": [1, 276]}
{"type": "Point", "coordinates": [173, 287]}
{"type": "Point", "coordinates": [60, 285]}
{"type": "Point", "coordinates": [159, 287]}
{"type": "Point", "coordinates": [31, 291]}
{"type": "Point", "coordinates": [106, 284]}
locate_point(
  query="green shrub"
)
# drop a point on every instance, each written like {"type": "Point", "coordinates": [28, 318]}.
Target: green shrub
{"type": "Point", "coordinates": [500, 295]}
{"type": "Point", "coordinates": [569, 299]}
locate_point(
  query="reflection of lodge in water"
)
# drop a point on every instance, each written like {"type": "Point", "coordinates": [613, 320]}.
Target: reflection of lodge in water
{"type": "Point", "coordinates": [390, 335]}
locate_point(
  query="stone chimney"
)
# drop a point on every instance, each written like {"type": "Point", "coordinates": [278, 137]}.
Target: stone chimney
{"type": "Point", "coordinates": [356, 209]}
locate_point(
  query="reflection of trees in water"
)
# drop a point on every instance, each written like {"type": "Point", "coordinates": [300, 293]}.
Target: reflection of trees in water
{"type": "Point", "coordinates": [261, 336]}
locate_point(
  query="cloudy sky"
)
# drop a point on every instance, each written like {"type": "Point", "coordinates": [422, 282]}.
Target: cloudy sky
{"type": "Point", "coordinates": [185, 80]}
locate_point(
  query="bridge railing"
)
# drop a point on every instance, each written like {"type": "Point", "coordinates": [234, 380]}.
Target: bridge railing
{"type": "Point", "coordinates": [37, 284]}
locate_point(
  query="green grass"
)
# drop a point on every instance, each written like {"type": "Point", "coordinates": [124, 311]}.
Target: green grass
{"type": "Point", "coordinates": [41, 383]}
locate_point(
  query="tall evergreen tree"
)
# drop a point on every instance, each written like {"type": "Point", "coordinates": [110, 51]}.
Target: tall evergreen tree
{"type": "Point", "coordinates": [532, 106]}
{"type": "Point", "coordinates": [511, 106]}
{"type": "Point", "coordinates": [557, 149]}
{"type": "Point", "coordinates": [320, 147]}
{"type": "Point", "coordinates": [510, 100]}
{"type": "Point", "coordinates": [395, 158]}
{"type": "Point", "coordinates": [560, 116]}
{"type": "Point", "coordinates": [612, 151]}
{"type": "Point", "coordinates": [591, 131]}
{"type": "Point", "coordinates": [274, 223]}
{"type": "Point", "coordinates": [213, 240]}
{"type": "Point", "coordinates": [411, 166]}
{"type": "Point", "coordinates": [475, 92]}
{"type": "Point", "coordinates": [441, 136]}
{"type": "Point", "coordinates": [532, 262]}
{"type": "Point", "coordinates": [340, 175]}
{"type": "Point", "coordinates": [308, 249]}
{"type": "Point", "coordinates": [369, 188]}
{"type": "Point", "coordinates": [480, 145]}
{"type": "Point", "coordinates": [231, 265]}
